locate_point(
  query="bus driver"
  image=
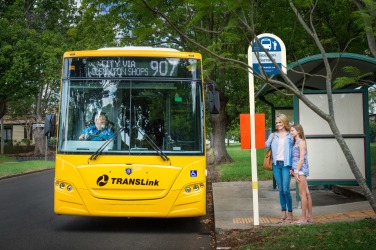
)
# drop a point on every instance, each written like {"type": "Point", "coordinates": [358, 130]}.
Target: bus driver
{"type": "Point", "coordinates": [97, 132]}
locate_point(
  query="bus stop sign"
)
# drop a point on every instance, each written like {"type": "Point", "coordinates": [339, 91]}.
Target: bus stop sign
{"type": "Point", "coordinates": [261, 62]}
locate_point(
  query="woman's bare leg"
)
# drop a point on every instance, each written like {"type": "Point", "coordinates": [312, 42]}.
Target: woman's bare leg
{"type": "Point", "coordinates": [303, 198]}
{"type": "Point", "coordinates": [309, 206]}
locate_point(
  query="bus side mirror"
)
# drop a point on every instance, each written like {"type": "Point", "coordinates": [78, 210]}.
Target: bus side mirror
{"type": "Point", "coordinates": [50, 126]}
{"type": "Point", "coordinates": [214, 102]}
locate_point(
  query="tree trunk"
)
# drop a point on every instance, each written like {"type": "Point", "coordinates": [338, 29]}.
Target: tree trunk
{"type": "Point", "coordinates": [218, 123]}
{"type": "Point", "coordinates": [3, 108]}
{"type": "Point", "coordinates": [39, 132]}
{"type": "Point", "coordinates": [39, 141]}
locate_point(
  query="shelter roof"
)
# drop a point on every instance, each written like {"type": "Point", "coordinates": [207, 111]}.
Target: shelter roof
{"type": "Point", "coordinates": [314, 69]}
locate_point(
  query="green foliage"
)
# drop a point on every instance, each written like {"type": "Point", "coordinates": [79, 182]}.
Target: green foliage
{"type": "Point", "coordinates": [26, 141]}
{"type": "Point", "coordinates": [355, 77]}
{"type": "Point", "coordinates": [32, 43]}
{"type": "Point", "coordinates": [372, 131]}
{"type": "Point", "coordinates": [34, 36]}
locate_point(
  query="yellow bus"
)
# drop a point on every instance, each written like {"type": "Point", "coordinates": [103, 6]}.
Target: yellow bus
{"type": "Point", "coordinates": [131, 134]}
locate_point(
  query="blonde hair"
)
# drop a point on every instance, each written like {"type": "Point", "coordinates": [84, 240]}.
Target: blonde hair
{"type": "Point", "coordinates": [284, 120]}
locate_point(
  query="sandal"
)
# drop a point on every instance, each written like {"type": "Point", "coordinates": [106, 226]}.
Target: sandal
{"type": "Point", "coordinates": [281, 220]}
{"type": "Point", "coordinates": [289, 220]}
{"type": "Point", "coordinates": [298, 222]}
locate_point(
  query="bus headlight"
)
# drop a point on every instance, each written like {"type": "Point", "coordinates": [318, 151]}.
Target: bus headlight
{"type": "Point", "coordinates": [194, 187]}
{"type": "Point", "coordinates": [62, 185]}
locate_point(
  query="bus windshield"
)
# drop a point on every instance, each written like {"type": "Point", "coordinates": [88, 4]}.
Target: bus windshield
{"type": "Point", "coordinates": [136, 115]}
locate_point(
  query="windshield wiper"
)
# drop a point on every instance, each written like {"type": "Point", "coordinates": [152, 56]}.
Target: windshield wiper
{"type": "Point", "coordinates": [153, 145]}
{"type": "Point", "coordinates": [105, 144]}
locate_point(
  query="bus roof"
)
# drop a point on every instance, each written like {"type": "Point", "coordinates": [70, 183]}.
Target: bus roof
{"type": "Point", "coordinates": [139, 51]}
{"type": "Point", "coordinates": [138, 48]}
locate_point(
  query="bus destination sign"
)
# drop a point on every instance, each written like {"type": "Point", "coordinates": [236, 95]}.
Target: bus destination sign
{"type": "Point", "coordinates": [116, 67]}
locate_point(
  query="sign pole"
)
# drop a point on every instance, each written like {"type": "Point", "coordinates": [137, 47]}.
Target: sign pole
{"type": "Point", "coordinates": [262, 63]}
{"type": "Point", "coordinates": [256, 219]}
{"type": "Point", "coordinates": [46, 152]}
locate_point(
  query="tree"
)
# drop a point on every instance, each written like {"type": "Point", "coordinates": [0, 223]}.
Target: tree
{"type": "Point", "coordinates": [367, 16]}
{"type": "Point", "coordinates": [12, 33]}
{"type": "Point", "coordinates": [30, 57]}
{"type": "Point", "coordinates": [222, 27]}
{"type": "Point", "coordinates": [205, 21]}
{"type": "Point", "coordinates": [307, 19]}
{"type": "Point", "coordinates": [213, 24]}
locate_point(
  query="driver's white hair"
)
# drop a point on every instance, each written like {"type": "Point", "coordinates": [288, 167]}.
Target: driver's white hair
{"type": "Point", "coordinates": [100, 115]}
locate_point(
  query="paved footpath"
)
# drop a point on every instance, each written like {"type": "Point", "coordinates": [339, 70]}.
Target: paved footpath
{"type": "Point", "coordinates": [233, 205]}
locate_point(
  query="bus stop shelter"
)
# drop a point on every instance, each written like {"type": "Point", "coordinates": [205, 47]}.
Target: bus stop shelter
{"type": "Point", "coordinates": [328, 165]}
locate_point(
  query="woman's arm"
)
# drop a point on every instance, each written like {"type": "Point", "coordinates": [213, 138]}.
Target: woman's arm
{"type": "Point", "coordinates": [268, 143]}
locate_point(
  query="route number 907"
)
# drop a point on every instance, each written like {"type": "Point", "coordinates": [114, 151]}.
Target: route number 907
{"type": "Point", "coordinates": [162, 68]}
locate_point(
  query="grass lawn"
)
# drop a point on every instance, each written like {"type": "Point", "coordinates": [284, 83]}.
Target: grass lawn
{"type": "Point", "coordinates": [336, 235]}
{"type": "Point", "coordinates": [9, 166]}
{"type": "Point", "coordinates": [240, 169]}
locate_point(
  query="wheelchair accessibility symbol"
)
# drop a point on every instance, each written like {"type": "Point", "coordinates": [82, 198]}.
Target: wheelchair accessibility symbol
{"type": "Point", "coordinates": [193, 173]}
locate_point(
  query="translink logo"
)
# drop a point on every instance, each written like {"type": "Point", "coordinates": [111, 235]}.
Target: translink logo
{"type": "Point", "coordinates": [104, 179]}
{"type": "Point", "coordinates": [130, 181]}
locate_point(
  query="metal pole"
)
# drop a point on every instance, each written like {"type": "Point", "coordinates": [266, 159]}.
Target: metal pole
{"type": "Point", "coordinates": [256, 217]}
{"type": "Point", "coordinates": [45, 157]}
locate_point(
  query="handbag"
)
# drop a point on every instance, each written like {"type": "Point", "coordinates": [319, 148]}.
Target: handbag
{"type": "Point", "coordinates": [268, 164]}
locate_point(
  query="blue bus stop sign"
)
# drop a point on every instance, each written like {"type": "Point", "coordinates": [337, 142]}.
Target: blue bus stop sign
{"type": "Point", "coordinates": [261, 62]}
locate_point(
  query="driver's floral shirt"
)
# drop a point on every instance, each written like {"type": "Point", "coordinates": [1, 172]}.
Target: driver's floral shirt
{"type": "Point", "coordinates": [93, 134]}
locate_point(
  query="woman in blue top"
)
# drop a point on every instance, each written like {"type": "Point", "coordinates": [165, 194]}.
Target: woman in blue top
{"type": "Point", "coordinates": [281, 143]}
